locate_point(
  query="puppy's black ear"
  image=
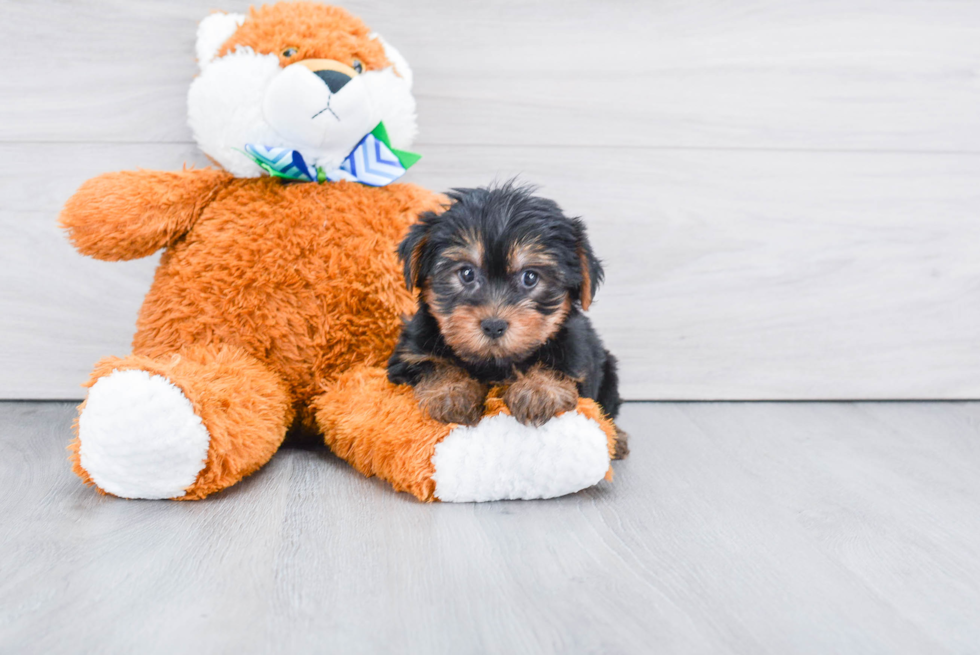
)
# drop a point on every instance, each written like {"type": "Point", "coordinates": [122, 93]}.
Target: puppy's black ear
{"type": "Point", "coordinates": [412, 250]}
{"type": "Point", "coordinates": [592, 273]}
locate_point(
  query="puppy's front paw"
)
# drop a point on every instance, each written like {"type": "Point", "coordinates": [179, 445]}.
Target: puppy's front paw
{"type": "Point", "coordinates": [539, 395]}
{"type": "Point", "coordinates": [450, 395]}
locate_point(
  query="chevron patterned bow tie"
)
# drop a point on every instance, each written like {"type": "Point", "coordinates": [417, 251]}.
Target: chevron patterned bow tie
{"type": "Point", "coordinates": [372, 162]}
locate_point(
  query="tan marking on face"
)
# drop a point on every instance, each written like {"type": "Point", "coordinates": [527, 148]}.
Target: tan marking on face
{"type": "Point", "coordinates": [528, 255]}
{"type": "Point", "coordinates": [470, 250]}
{"type": "Point", "coordinates": [461, 330]}
{"type": "Point", "coordinates": [429, 296]}
{"type": "Point", "coordinates": [527, 329]}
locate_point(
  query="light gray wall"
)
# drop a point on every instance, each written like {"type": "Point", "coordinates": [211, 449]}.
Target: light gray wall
{"type": "Point", "coordinates": [786, 193]}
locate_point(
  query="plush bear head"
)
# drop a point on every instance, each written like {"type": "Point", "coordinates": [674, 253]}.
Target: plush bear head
{"type": "Point", "coordinates": [296, 75]}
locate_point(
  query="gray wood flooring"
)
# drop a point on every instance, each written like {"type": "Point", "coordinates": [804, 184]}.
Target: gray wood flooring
{"type": "Point", "coordinates": [733, 528]}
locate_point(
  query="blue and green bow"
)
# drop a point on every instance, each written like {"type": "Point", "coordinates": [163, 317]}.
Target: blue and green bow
{"type": "Point", "coordinates": [372, 162]}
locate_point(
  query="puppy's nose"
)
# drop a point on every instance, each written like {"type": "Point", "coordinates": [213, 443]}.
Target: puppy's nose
{"type": "Point", "coordinates": [493, 327]}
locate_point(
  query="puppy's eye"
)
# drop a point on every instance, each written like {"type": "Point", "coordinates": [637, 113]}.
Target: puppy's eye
{"type": "Point", "coordinates": [467, 275]}
{"type": "Point", "coordinates": [529, 279]}
{"type": "Point", "coordinates": [289, 52]}
{"type": "Point", "coordinates": [357, 66]}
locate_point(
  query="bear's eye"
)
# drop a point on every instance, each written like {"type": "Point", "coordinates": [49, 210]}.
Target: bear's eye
{"type": "Point", "coordinates": [467, 275]}
{"type": "Point", "coordinates": [357, 66]}
{"type": "Point", "coordinates": [289, 52]}
{"type": "Point", "coordinates": [529, 279]}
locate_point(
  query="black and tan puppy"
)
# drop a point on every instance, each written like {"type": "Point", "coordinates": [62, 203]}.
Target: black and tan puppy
{"type": "Point", "coordinates": [503, 277]}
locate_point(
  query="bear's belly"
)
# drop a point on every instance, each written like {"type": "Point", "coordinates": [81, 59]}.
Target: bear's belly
{"type": "Point", "coordinates": [302, 276]}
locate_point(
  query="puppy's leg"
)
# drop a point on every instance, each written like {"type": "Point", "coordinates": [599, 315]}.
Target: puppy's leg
{"type": "Point", "coordinates": [379, 429]}
{"type": "Point", "coordinates": [608, 398]}
{"type": "Point", "coordinates": [622, 449]}
{"type": "Point", "coordinates": [448, 394]}
{"type": "Point", "coordinates": [539, 395]}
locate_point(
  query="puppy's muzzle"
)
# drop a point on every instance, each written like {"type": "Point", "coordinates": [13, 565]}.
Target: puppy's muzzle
{"type": "Point", "coordinates": [333, 73]}
{"type": "Point", "coordinates": [493, 327]}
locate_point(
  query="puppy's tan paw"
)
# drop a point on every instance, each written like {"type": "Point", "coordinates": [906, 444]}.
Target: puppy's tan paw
{"type": "Point", "coordinates": [449, 395]}
{"type": "Point", "coordinates": [622, 450]}
{"type": "Point", "coordinates": [539, 395]}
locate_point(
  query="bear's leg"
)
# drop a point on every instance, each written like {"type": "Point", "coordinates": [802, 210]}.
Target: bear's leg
{"type": "Point", "coordinates": [180, 426]}
{"type": "Point", "coordinates": [379, 429]}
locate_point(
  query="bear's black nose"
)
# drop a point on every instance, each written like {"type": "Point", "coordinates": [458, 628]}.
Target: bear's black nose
{"type": "Point", "coordinates": [335, 80]}
{"type": "Point", "coordinates": [493, 327]}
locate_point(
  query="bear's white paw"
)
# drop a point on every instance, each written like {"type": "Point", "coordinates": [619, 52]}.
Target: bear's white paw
{"type": "Point", "coordinates": [140, 438]}
{"type": "Point", "coordinates": [500, 459]}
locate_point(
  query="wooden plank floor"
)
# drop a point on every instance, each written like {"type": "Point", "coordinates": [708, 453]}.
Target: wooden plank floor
{"type": "Point", "coordinates": [742, 528]}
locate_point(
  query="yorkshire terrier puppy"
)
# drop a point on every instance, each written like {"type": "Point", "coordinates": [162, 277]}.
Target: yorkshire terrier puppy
{"type": "Point", "coordinates": [503, 277]}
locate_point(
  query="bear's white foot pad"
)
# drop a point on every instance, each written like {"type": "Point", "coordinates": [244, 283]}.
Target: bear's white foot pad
{"type": "Point", "coordinates": [500, 459]}
{"type": "Point", "coordinates": [140, 438]}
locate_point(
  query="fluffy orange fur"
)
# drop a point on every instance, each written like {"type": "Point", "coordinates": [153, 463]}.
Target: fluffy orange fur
{"type": "Point", "coordinates": [245, 407]}
{"type": "Point", "coordinates": [378, 428]}
{"type": "Point", "coordinates": [274, 304]}
{"type": "Point", "coordinates": [132, 214]}
{"type": "Point", "coordinates": [302, 280]}
{"type": "Point", "coordinates": [315, 30]}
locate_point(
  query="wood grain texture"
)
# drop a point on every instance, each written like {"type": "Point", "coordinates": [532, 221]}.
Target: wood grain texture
{"type": "Point", "coordinates": [732, 528]}
{"type": "Point", "coordinates": [731, 275]}
{"type": "Point", "coordinates": [785, 192]}
{"type": "Point", "coordinates": [802, 74]}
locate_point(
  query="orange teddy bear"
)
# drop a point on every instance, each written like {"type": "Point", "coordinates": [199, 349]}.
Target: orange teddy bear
{"type": "Point", "coordinates": [279, 295]}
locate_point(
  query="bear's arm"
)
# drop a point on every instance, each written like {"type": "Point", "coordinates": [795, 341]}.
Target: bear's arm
{"type": "Point", "coordinates": [132, 214]}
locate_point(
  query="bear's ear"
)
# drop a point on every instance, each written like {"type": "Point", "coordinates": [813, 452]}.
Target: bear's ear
{"type": "Point", "coordinates": [212, 33]}
{"type": "Point", "coordinates": [395, 57]}
{"type": "Point", "coordinates": [391, 90]}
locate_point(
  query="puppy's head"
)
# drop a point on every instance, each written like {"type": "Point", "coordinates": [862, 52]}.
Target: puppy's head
{"type": "Point", "coordinates": [499, 269]}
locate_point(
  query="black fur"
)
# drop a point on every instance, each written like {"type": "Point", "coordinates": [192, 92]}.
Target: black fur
{"type": "Point", "coordinates": [500, 217]}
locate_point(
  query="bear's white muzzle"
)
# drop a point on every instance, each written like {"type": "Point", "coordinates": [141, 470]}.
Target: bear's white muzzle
{"type": "Point", "coordinates": [300, 106]}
